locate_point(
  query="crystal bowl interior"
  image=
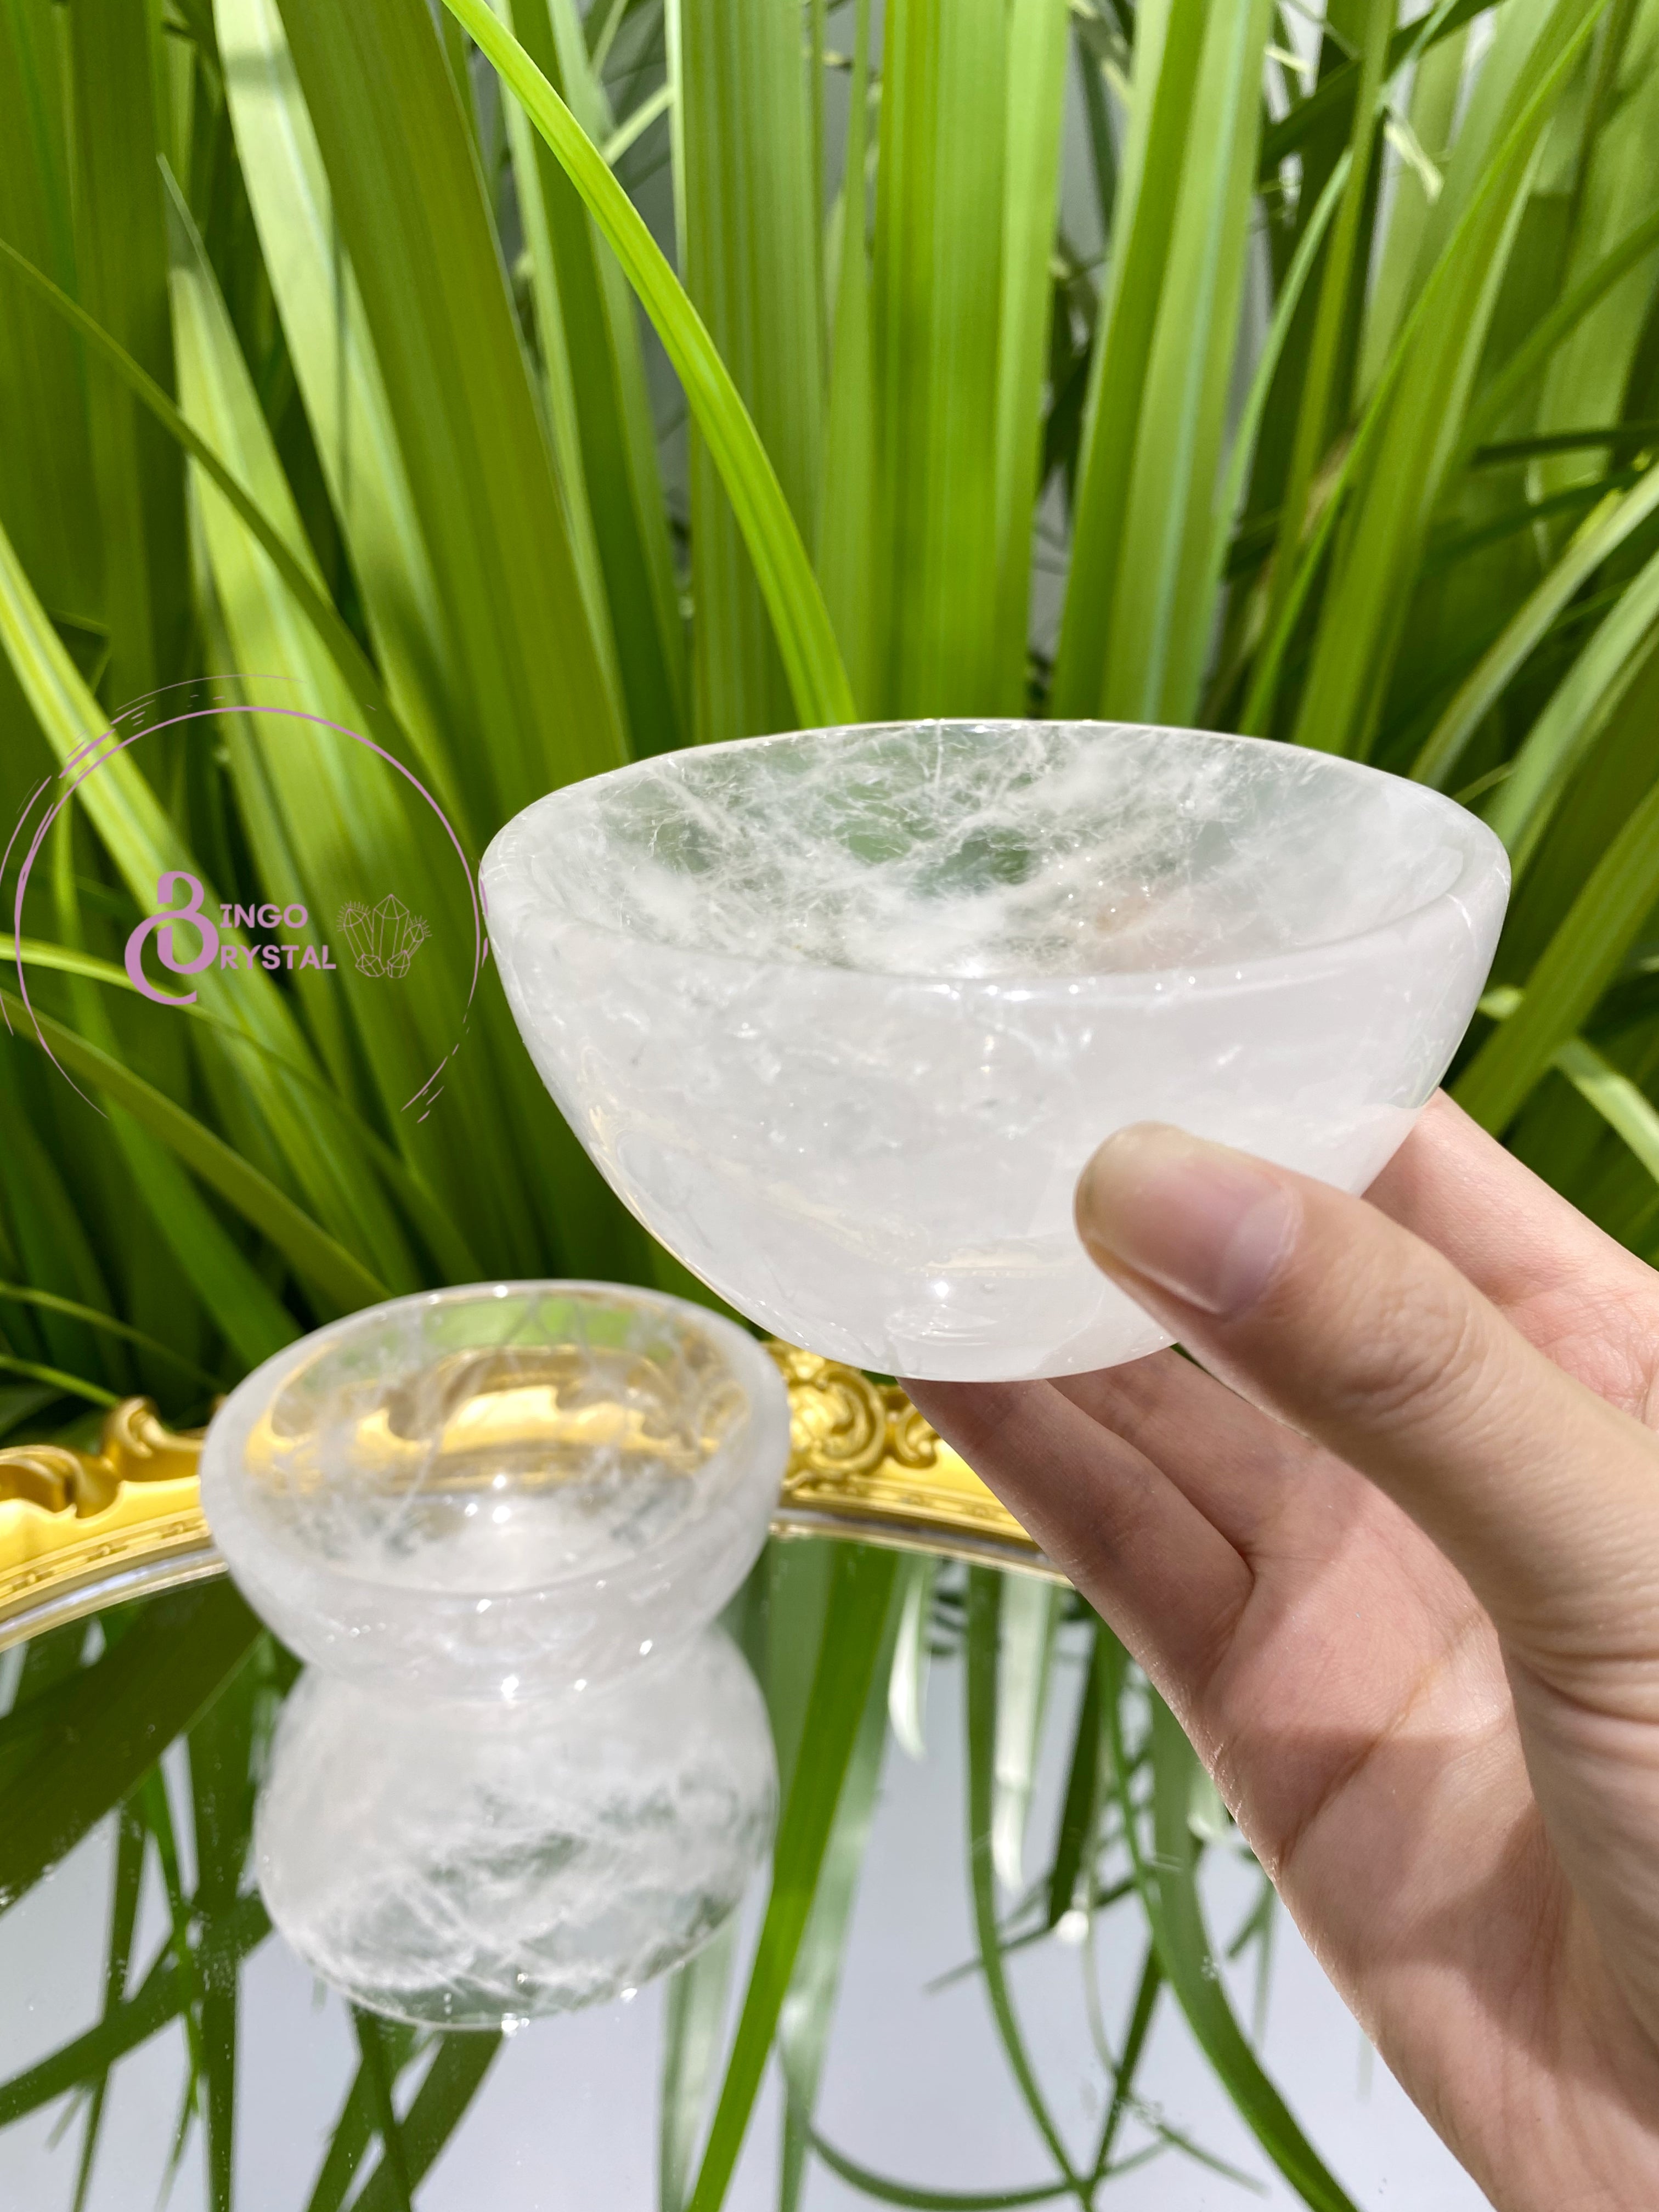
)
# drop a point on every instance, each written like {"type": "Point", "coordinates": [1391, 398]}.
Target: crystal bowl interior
{"type": "Point", "coordinates": [1024, 850]}
{"type": "Point", "coordinates": [842, 1014]}
{"type": "Point", "coordinates": [501, 1488]}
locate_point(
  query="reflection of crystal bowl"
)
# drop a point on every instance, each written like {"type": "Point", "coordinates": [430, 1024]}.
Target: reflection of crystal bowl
{"type": "Point", "coordinates": [842, 1014]}
{"type": "Point", "coordinates": [472, 1875]}
{"type": "Point", "coordinates": [499, 1490]}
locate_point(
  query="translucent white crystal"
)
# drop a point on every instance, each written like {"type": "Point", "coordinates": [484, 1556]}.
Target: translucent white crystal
{"type": "Point", "coordinates": [842, 1014]}
{"type": "Point", "coordinates": [498, 1490]}
{"type": "Point", "coordinates": [436, 1866]}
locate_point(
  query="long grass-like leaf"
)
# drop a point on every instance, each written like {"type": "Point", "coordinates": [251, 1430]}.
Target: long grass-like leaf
{"type": "Point", "coordinates": [1168, 53]}
{"type": "Point", "coordinates": [130, 1845]}
{"type": "Point", "coordinates": [984, 1607]}
{"type": "Point", "coordinates": [415, 222]}
{"type": "Point", "coordinates": [1039, 46]}
{"type": "Point", "coordinates": [907, 1688]}
{"type": "Point", "coordinates": [1169, 1887]}
{"type": "Point", "coordinates": [153, 2006]}
{"type": "Point", "coordinates": [1521, 808]}
{"type": "Point", "coordinates": [747, 199]}
{"type": "Point", "coordinates": [887, 2192]}
{"type": "Point", "coordinates": [693, 2031]}
{"type": "Point", "coordinates": [336, 639]}
{"type": "Point", "coordinates": [115, 65]}
{"type": "Point", "coordinates": [354, 2131]}
{"type": "Point", "coordinates": [393, 2172]}
{"type": "Point", "coordinates": [1386, 526]}
{"type": "Point", "coordinates": [1030, 1617]}
{"type": "Point", "coordinates": [808, 2012]}
{"type": "Point", "coordinates": [800, 622]}
{"type": "Point", "coordinates": [1599, 537]}
{"type": "Point", "coordinates": [1580, 960]}
{"type": "Point", "coordinates": [846, 502]}
{"type": "Point", "coordinates": [313, 1252]}
{"type": "Point", "coordinates": [586, 322]}
{"type": "Point", "coordinates": [96, 1736]}
{"type": "Point", "coordinates": [452, 2081]}
{"type": "Point", "coordinates": [50, 1302]}
{"type": "Point", "coordinates": [1554, 328]}
{"type": "Point", "coordinates": [859, 1598]}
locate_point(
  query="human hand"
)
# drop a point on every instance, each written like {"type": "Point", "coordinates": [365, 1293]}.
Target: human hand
{"type": "Point", "coordinates": [1397, 1573]}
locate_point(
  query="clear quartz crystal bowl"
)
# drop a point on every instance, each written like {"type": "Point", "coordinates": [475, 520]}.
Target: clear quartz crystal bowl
{"type": "Point", "coordinates": [499, 1492]}
{"type": "Point", "coordinates": [842, 1014]}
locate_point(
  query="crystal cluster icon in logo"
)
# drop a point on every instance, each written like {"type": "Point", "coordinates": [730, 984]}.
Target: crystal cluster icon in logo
{"type": "Point", "coordinates": [384, 938]}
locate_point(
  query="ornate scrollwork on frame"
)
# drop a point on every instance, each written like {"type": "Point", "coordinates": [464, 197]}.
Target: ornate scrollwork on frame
{"type": "Point", "coordinates": [80, 1530]}
{"type": "Point", "coordinates": [866, 1462]}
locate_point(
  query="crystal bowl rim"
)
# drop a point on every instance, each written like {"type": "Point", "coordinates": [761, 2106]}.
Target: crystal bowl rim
{"type": "Point", "coordinates": [1483, 856]}
{"type": "Point", "coordinates": [283, 1365]}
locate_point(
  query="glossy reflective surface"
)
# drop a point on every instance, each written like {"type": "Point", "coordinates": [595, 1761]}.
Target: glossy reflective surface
{"type": "Point", "coordinates": [842, 1014]}
{"type": "Point", "coordinates": [914, 2085]}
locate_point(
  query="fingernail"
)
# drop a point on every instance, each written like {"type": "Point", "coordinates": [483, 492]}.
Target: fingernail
{"type": "Point", "coordinates": [1204, 1223]}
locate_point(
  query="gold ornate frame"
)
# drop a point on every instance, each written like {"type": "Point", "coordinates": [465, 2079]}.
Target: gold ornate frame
{"type": "Point", "coordinates": [82, 1530]}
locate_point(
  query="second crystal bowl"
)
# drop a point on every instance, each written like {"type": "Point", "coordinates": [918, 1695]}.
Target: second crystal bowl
{"type": "Point", "coordinates": [501, 1492]}
{"type": "Point", "coordinates": [842, 1014]}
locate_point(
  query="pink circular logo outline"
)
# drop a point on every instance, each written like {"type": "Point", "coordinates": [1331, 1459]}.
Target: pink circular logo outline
{"type": "Point", "coordinates": [85, 762]}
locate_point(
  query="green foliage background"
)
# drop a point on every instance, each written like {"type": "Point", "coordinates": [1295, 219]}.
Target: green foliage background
{"type": "Point", "coordinates": [322, 355]}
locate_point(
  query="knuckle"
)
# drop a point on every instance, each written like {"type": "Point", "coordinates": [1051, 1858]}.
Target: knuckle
{"type": "Point", "coordinates": [1403, 1350]}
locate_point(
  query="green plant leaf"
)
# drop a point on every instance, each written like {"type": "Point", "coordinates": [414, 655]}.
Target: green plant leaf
{"type": "Point", "coordinates": [746, 203]}
{"type": "Point", "coordinates": [1520, 809]}
{"type": "Point", "coordinates": [846, 500]}
{"type": "Point", "coordinates": [76, 1752]}
{"type": "Point", "coordinates": [800, 622]}
{"type": "Point", "coordinates": [907, 1688]}
{"type": "Point", "coordinates": [1168, 52]}
{"type": "Point", "coordinates": [937, 298]}
{"type": "Point", "coordinates": [1168, 1881]}
{"type": "Point", "coordinates": [886, 2191]}
{"type": "Point", "coordinates": [121, 261]}
{"type": "Point", "coordinates": [1598, 537]}
{"type": "Point", "coordinates": [1030, 1617]}
{"type": "Point", "coordinates": [1400, 468]}
{"type": "Point", "coordinates": [1580, 960]}
{"type": "Point", "coordinates": [314, 1253]}
{"type": "Point", "coordinates": [414, 219]}
{"type": "Point", "coordinates": [693, 2031]}
{"type": "Point", "coordinates": [854, 1622]}
{"type": "Point", "coordinates": [808, 2013]}
{"type": "Point", "coordinates": [130, 1845]}
{"type": "Point", "coordinates": [1038, 50]}
{"type": "Point", "coordinates": [392, 2173]}
{"type": "Point", "coordinates": [332, 633]}
{"type": "Point", "coordinates": [586, 319]}
{"type": "Point", "coordinates": [985, 1591]}
{"type": "Point", "coordinates": [50, 1302]}
{"type": "Point", "coordinates": [452, 2081]}
{"type": "Point", "coordinates": [154, 2004]}
{"type": "Point", "coordinates": [1079, 1809]}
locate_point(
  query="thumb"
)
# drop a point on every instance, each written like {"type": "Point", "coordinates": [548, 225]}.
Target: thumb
{"type": "Point", "coordinates": [1334, 1318]}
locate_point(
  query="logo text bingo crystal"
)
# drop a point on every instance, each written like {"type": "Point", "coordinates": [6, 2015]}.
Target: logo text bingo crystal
{"type": "Point", "coordinates": [176, 882]}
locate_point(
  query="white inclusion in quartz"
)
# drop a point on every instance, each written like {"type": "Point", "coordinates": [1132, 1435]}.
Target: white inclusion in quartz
{"type": "Point", "coordinates": [842, 1014]}
{"type": "Point", "coordinates": [437, 1864]}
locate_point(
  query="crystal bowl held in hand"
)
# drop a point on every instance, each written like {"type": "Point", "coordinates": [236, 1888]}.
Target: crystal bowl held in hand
{"type": "Point", "coordinates": [842, 1014]}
